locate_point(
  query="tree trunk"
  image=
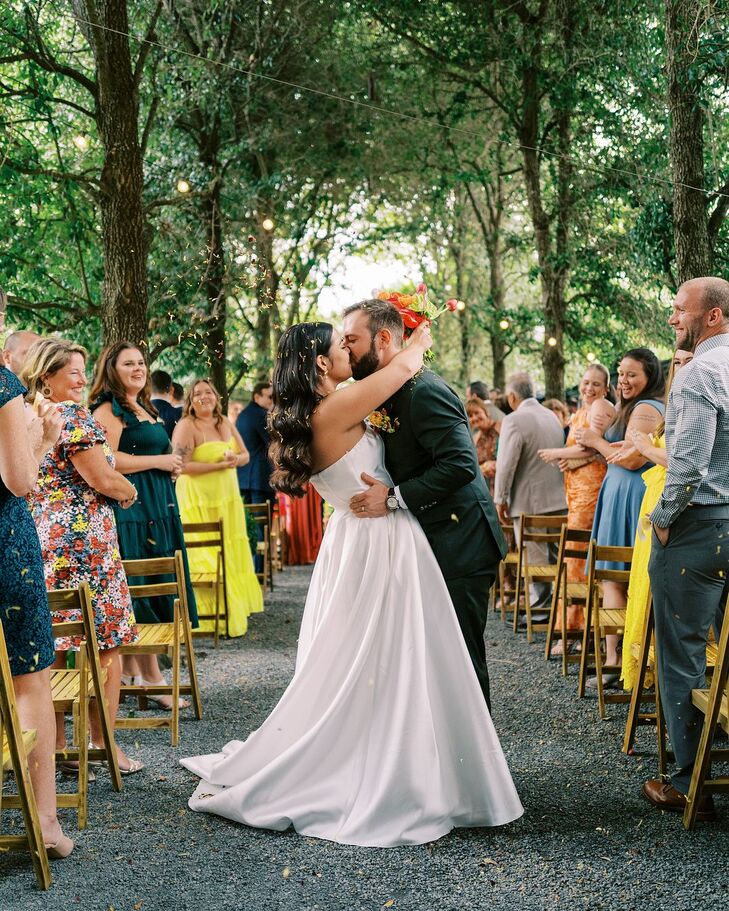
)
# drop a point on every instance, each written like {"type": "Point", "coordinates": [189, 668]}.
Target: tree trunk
{"type": "Point", "coordinates": [552, 253]}
{"type": "Point", "coordinates": [124, 291]}
{"type": "Point", "coordinates": [214, 285]}
{"type": "Point", "coordinates": [498, 356]}
{"type": "Point", "coordinates": [686, 140]}
{"type": "Point", "coordinates": [266, 296]}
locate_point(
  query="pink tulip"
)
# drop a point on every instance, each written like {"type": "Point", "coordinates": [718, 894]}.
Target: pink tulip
{"type": "Point", "coordinates": [452, 304]}
{"type": "Point", "coordinates": [422, 288]}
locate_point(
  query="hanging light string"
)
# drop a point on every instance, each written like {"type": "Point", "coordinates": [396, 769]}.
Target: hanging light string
{"type": "Point", "coordinates": [402, 115]}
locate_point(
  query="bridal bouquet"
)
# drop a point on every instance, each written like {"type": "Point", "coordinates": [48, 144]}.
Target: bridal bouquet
{"type": "Point", "coordinates": [416, 307]}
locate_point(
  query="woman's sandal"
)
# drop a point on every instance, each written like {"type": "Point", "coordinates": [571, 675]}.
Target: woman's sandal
{"type": "Point", "coordinates": [159, 698]}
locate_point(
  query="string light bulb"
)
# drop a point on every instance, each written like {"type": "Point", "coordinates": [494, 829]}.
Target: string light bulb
{"type": "Point", "coordinates": [590, 356]}
{"type": "Point", "coordinates": [504, 324]}
{"type": "Point", "coordinates": [267, 224]}
{"type": "Point", "coordinates": [81, 142]}
{"type": "Point", "coordinates": [183, 186]}
{"type": "Point", "coordinates": [551, 341]}
{"type": "Point", "coordinates": [460, 306]}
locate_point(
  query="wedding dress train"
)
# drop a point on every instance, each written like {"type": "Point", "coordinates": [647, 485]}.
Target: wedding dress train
{"type": "Point", "coordinates": [382, 737]}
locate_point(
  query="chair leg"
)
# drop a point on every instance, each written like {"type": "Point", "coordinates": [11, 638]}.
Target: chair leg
{"type": "Point", "coordinates": [500, 590]}
{"type": "Point", "coordinates": [553, 617]}
{"type": "Point", "coordinates": [636, 697]}
{"type": "Point", "coordinates": [597, 640]}
{"type": "Point", "coordinates": [585, 656]}
{"type": "Point", "coordinates": [563, 617]}
{"type": "Point", "coordinates": [175, 711]}
{"type": "Point", "coordinates": [31, 819]}
{"type": "Point", "coordinates": [192, 668]}
{"type": "Point", "coordinates": [661, 734]}
{"type": "Point", "coordinates": [82, 742]}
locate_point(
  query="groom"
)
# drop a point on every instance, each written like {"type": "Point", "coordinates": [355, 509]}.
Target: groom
{"type": "Point", "coordinates": [430, 456]}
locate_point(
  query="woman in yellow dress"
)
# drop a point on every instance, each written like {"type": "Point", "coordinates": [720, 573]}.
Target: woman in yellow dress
{"type": "Point", "coordinates": [653, 449]}
{"type": "Point", "coordinates": [207, 490]}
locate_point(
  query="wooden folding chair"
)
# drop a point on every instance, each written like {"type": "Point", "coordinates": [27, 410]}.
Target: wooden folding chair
{"type": "Point", "coordinates": [541, 530]}
{"type": "Point", "coordinates": [638, 695]}
{"type": "Point", "coordinates": [278, 540]}
{"type": "Point", "coordinates": [713, 703]}
{"type": "Point", "coordinates": [15, 745]}
{"type": "Point", "coordinates": [600, 622]}
{"type": "Point", "coordinates": [509, 561]}
{"type": "Point", "coordinates": [210, 535]}
{"type": "Point", "coordinates": [261, 513]}
{"type": "Point", "coordinates": [163, 639]}
{"type": "Point", "coordinates": [72, 689]}
{"type": "Point", "coordinates": [565, 593]}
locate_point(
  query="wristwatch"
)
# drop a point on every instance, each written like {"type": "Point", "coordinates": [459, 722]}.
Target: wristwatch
{"type": "Point", "coordinates": [392, 501]}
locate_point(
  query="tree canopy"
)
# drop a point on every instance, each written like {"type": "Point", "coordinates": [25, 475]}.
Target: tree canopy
{"type": "Point", "coordinates": [191, 174]}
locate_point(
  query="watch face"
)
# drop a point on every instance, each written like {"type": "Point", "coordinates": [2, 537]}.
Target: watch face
{"type": "Point", "coordinates": [392, 503]}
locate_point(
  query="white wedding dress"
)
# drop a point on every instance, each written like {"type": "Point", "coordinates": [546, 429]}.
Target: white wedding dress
{"type": "Point", "coordinates": [382, 737]}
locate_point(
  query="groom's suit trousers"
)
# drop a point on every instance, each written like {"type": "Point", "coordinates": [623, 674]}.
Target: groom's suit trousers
{"type": "Point", "coordinates": [470, 596]}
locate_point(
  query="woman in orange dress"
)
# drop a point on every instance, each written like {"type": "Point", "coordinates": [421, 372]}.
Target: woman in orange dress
{"type": "Point", "coordinates": [581, 484]}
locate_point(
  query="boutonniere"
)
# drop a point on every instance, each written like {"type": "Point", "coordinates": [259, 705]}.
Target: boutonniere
{"type": "Point", "coordinates": [381, 421]}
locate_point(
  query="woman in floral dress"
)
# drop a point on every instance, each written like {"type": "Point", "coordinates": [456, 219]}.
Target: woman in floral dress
{"type": "Point", "coordinates": [75, 522]}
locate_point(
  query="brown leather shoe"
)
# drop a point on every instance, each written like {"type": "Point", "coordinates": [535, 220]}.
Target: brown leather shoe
{"type": "Point", "coordinates": [663, 795]}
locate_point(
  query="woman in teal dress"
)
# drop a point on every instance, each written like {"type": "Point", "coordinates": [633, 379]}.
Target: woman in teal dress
{"type": "Point", "coordinates": [640, 407]}
{"type": "Point", "coordinates": [151, 527]}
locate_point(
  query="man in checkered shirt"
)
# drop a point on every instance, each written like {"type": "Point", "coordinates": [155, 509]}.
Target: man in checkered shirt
{"type": "Point", "coordinates": [689, 566]}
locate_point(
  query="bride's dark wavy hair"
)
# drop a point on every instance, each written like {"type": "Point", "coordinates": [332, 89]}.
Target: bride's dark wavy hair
{"type": "Point", "coordinates": [295, 396]}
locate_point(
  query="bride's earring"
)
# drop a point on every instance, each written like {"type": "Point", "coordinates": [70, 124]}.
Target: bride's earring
{"type": "Point", "coordinates": [46, 391]}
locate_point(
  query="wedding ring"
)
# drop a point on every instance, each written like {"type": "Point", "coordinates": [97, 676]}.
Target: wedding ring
{"type": "Point", "coordinates": [361, 509]}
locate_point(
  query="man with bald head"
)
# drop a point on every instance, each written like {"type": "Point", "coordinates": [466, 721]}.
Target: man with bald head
{"type": "Point", "coordinates": [689, 565]}
{"type": "Point", "coordinates": [16, 347]}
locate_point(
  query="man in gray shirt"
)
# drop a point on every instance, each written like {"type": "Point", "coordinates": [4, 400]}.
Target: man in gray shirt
{"type": "Point", "coordinates": [689, 566]}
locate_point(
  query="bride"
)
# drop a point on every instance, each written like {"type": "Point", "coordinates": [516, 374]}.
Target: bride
{"type": "Point", "coordinates": [382, 738]}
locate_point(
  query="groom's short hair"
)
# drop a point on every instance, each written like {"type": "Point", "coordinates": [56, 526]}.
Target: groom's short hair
{"type": "Point", "coordinates": [381, 315]}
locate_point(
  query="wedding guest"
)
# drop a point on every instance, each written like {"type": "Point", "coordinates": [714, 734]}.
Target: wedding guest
{"type": "Point", "coordinates": [16, 347]}
{"type": "Point", "coordinates": [689, 564]}
{"type": "Point", "coordinates": [581, 482]}
{"type": "Point", "coordinates": [207, 490]}
{"type": "Point", "coordinates": [26, 622]}
{"type": "Point", "coordinates": [304, 526]}
{"type": "Point", "coordinates": [485, 438]}
{"type": "Point", "coordinates": [178, 395]}
{"type": "Point", "coordinates": [640, 407]}
{"type": "Point", "coordinates": [75, 523]}
{"type": "Point", "coordinates": [161, 400]}
{"type": "Point", "coordinates": [151, 527]}
{"type": "Point", "coordinates": [478, 390]}
{"type": "Point", "coordinates": [525, 485]}
{"type": "Point", "coordinates": [234, 409]}
{"type": "Point", "coordinates": [654, 449]}
{"type": "Point", "coordinates": [561, 412]}
{"type": "Point", "coordinates": [254, 477]}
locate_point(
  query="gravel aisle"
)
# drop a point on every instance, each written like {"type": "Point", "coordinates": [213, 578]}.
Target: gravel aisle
{"type": "Point", "coordinates": [588, 840]}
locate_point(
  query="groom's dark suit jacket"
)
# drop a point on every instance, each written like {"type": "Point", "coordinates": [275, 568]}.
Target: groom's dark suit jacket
{"type": "Point", "coordinates": [431, 458]}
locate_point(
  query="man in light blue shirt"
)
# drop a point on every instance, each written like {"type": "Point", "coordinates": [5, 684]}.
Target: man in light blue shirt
{"type": "Point", "coordinates": [689, 565]}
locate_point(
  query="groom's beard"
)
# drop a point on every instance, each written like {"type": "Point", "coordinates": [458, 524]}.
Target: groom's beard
{"type": "Point", "coordinates": [366, 365]}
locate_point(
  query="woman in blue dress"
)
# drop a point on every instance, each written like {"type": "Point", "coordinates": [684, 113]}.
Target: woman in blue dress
{"type": "Point", "coordinates": [24, 614]}
{"type": "Point", "coordinates": [641, 389]}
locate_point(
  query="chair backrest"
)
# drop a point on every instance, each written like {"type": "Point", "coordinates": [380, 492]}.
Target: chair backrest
{"type": "Point", "coordinates": [610, 554]}
{"type": "Point", "coordinates": [545, 529]}
{"type": "Point", "coordinates": [64, 599]}
{"type": "Point", "coordinates": [570, 543]}
{"type": "Point", "coordinates": [261, 512]}
{"type": "Point", "coordinates": [203, 534]}
{"type": "Point", "coordinates": [164, 567]}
